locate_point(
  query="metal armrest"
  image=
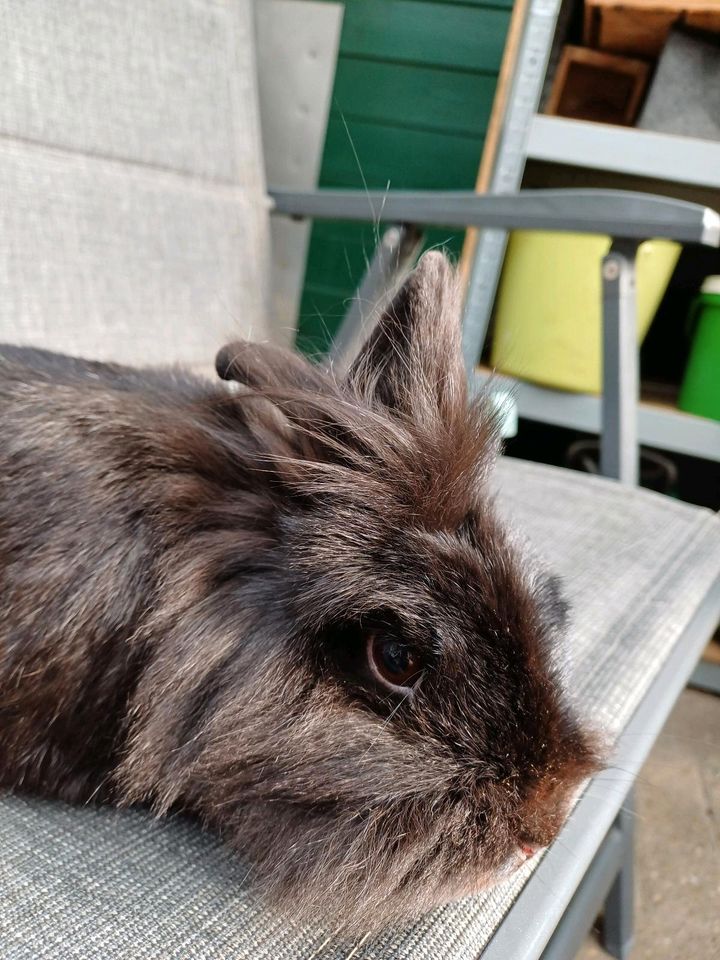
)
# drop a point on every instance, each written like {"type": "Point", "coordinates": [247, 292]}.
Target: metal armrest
{"type": "Point", "coordinates": [628, 217]}
{"type": "Point", "coordinates": [620, 213]}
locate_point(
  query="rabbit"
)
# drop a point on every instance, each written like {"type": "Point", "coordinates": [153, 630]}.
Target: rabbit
{"type": "Point", "coordinates": [285, 605]}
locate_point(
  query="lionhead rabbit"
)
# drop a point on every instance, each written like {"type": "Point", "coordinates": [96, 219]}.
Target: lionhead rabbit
{"type": "Point", "coordinates": [287, 607]}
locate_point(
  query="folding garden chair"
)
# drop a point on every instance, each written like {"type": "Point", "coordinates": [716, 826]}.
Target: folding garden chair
{"type": "Point", "coordinates": [123, 228]}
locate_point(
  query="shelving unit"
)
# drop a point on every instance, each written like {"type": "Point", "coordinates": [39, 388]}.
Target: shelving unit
{"type": "Point", "coordinates": [650, 156]}
{"type": "Point", "coordinates": [627, 150]}
{"type": "Point", "coordinates": [584, 154]}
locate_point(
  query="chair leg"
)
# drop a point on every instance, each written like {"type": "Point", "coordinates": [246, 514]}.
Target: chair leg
{"type": "Point", "coordinates": [617, 935]}
{"type": "Point", "coordinates": [706, 677]}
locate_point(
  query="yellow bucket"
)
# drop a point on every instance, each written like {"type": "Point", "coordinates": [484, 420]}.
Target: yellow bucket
{"type": "Point", "coordinates": [549, 308]}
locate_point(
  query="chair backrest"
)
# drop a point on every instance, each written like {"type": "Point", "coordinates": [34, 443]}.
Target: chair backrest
{"type": "Point", "coordinates": [133, 220]}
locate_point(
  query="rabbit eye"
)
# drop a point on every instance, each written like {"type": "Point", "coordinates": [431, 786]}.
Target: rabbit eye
{"type": "Point", "coordinates": [395, 663]}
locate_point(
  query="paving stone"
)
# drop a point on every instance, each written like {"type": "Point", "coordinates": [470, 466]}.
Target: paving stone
{"type": "Point", "coordinates": [678, 840]}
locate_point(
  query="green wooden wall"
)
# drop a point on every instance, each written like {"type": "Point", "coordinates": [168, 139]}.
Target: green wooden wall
{"type": "Point", "coordinates": [413, 92]}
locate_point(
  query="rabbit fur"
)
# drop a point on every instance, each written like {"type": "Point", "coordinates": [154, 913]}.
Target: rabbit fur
{"type": "Point", "coordinates": [204, 590]}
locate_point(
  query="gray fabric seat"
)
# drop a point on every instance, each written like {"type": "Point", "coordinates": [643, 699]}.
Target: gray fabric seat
{"type": "Point", "coordinates": [99, 883]}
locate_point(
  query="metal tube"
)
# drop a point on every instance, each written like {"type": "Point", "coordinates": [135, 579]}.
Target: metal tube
{"type": "Point", "coordinates": [393, 257]}
{"type": "Point", "coordinates": [619, 910]}
{"type": "Point", "coordinates": [620, 363]}
{"type": "Point", "coordinates": [588, 899]}
{"type": "Point", "coordinates": [619, 213]}
{"type": "Point", "coordinates": [706, 677]}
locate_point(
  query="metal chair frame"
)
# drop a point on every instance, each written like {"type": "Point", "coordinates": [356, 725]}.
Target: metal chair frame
{"type": "Point", "coordinates": [591, 871]}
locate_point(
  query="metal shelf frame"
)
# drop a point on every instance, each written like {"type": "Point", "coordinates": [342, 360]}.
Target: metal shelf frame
{"type": "Point", "coordinates": [538, 32]}
{"type": "Point", "coordinates": [627, 150]}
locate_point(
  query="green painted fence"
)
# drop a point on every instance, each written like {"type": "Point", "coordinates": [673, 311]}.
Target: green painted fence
{"type": "Point", "coordinates": [413, 92]}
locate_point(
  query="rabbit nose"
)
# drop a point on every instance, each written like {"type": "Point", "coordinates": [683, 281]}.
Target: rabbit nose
{"type": "Point", "coordinates": [527, 850]}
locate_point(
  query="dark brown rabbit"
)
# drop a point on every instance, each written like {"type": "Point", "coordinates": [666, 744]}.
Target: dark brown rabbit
{"type": "Point", "coordinates": [286, 607]}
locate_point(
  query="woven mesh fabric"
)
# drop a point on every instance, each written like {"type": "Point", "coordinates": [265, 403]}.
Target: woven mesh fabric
{"type": "Point", "coordinates": [133, 222]}
{"type": "Point", "coordinates": [98, 883]}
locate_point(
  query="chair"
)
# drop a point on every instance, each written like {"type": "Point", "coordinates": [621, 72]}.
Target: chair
{"type": "Point", "coordinates": [117, 211]}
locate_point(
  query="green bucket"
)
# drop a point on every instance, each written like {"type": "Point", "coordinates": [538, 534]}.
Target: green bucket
{"type": "Point", "coordinates": [700, 392]}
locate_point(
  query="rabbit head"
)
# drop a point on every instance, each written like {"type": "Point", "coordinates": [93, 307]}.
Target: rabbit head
{"type": "Point", "coordinates": [361, 690]}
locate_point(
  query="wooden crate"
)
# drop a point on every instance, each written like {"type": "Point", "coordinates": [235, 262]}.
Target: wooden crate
{"type": "Point", "coordinates": [641, 27]}
{"type": "Point", "coordinates": [593, 85]}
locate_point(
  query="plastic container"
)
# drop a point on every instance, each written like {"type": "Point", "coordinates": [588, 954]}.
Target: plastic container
{"type": "Point", "coordinates": [700, 392]}
{"type": "Point", "coordinates": [549, 309]}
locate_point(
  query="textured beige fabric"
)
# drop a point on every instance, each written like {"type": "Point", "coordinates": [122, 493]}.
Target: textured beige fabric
{"type": "Point", "coordinates": [133, 224]}
{"type": "Point", "coordinates": [105, 885]}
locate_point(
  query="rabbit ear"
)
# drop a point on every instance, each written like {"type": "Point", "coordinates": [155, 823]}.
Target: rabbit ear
{"type": "Point", "coordinates": [262, 366]}
{"type": "Point", "coordinates": [412, 360]}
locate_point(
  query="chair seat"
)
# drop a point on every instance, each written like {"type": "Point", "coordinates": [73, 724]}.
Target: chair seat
{"type": "Point", "coordinates": [99, 883]}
